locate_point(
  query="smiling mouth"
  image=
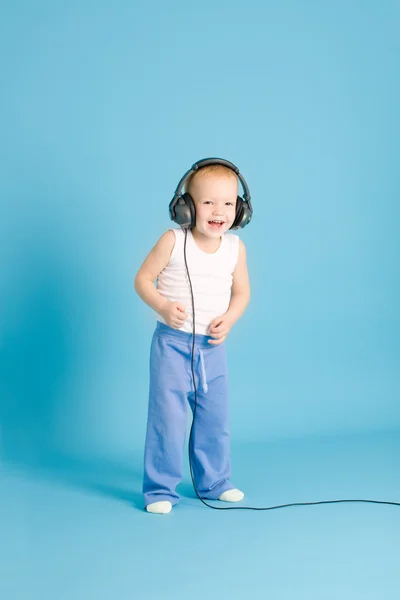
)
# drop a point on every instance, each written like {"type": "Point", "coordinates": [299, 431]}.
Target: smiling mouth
{"type": "Point", "coordinates": [216, 224]}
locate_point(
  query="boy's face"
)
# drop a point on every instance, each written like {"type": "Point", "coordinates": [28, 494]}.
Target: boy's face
{"type": "Point", "coordinates": [215, 200]}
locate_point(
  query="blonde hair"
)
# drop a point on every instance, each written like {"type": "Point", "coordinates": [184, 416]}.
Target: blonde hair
{"type": "Point", "coordinates": [209, 171]}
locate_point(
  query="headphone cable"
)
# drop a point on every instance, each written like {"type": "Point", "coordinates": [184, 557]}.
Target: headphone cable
{"type": "Point", "coordinates": [191, 429]}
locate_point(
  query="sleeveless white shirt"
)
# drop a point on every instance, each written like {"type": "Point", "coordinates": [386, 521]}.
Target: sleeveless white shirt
{"type": "Point", "coordinates": [210, 274]}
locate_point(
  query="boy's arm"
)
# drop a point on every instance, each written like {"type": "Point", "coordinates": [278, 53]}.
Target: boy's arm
{"type": "Point", "coordinates": [154, 263]}
{"type": "Point", "coordinates": [240, 291]}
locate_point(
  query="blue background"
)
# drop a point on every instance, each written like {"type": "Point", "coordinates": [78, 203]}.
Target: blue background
{"type": "Point", "coordinates": [103, 107]}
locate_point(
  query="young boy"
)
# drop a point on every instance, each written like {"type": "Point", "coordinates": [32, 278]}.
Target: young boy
{"type": "Point", "coordinates": [217, 267]}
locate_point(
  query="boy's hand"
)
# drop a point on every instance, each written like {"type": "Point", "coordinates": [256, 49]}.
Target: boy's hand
{"type": "Point", "coordinates": [174, 314]}
{"type": "Point", "coordinates": [219, 329]}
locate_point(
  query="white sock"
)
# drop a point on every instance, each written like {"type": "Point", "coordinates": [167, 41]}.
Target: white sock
{"type": "Point", "coordinates": [231, 496]}
{"type": "Point", "coordinates": [162, 507]}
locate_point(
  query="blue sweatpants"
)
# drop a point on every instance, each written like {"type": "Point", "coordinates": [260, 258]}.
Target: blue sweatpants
{"type": "Point", "coordinates": [170, 395]}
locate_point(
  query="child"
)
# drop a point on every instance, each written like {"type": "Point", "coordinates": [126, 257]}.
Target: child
{"type": "Point", "coordinates": [221, 290]}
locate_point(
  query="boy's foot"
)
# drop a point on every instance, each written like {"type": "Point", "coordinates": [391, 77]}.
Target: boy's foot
{"type": "Point", "coordinates": [231, 496]}
{"type": "Point", "coordinates": [162, 507]}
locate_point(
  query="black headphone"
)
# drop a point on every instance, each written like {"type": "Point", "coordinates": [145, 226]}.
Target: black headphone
{"type": "Point", "coordinates": [182, 208]}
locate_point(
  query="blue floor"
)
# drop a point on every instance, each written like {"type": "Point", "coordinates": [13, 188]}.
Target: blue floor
{"type": "Point", "coordinates": [76, 530]}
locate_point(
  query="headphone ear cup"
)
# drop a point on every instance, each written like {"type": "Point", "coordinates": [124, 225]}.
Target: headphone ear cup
{"type": "Point", "coordinates": [243, 214]}
{"type": "Point", "coordinates": [239, 214]}
{"type": "Point", "coordinates": [192, 209]}
{"type": "Point", "coordinates": [184, 211]}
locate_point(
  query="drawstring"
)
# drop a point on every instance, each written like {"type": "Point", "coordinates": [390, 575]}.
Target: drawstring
{"type": "Point", "coordinates": [203, 371]}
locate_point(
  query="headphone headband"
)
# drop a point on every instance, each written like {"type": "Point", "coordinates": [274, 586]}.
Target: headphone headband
{"type": "Point", "coordinates": [204, 162]}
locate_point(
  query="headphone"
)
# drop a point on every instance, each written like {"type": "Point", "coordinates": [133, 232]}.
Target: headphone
{"type": "Point", "coordinates": [182, 208]}
{"type": "Point", "coordinates": [183, 212]}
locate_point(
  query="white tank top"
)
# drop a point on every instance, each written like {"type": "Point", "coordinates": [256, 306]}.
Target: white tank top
{"type": "Point", "coordinates": [210, 274]}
